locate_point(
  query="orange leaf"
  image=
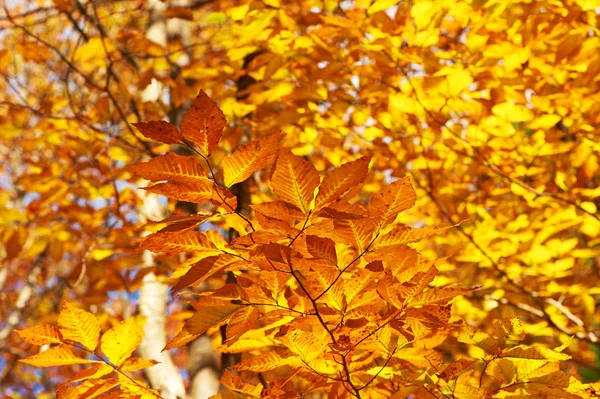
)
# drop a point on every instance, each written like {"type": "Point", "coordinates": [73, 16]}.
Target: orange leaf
{"type": "Point", "coordinates": [170, 166]}
{"type": "Point", "coordinates": [340, 180]}
{"type": "Point", "coordinates": [183, 337]}
{"type": "Point", "coordinates": [203, 123]}
{"type": "Point", "coordinates": [279, 210]}
{"type": "Point", "coordinates": [393, 199]}
{"type": "Point", "coordinates": [78, 325]}
{"type": "Point", "coordinates": [210, 315]}
{"type": "Point", "coordinates": [294, 180]}
{"type": "Point", "coordinates": [437, 296]}
{"type": "Point", "coordinates": [179, 242]}
{"type": "Point", "coordinates": [196, 191]}
{"type": "Point", "coordinates": [402, 235]}
{"type": "Point", "coordinates": [358, 232]}
{"type": "Point", "coordinates": [241, 321]}
{"type": "Point", "coordinates": [41, 335]}
{"type": "Point", "coordinates": [202, 270]}
{"type": "Point", "coordinates": [161, 131]}
{"type": "Point", "coordinates": [137, 363]}
{"type": "Point", "coordinates": [323, 248]}
{"type": "Point", "coordinates": [60, 355]}
{"type": "Point", "coordinates": [180, 12]}
{"type": "Point", "coordinates": [249, 158]}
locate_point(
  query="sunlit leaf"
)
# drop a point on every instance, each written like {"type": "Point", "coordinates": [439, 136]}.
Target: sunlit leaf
{"type": "Point", "coordinates": [249, 158]}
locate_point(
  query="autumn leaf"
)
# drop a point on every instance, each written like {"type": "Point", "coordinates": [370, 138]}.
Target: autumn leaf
{"type": "Point", "coordinates": [249, 158]}
{"type": "Point", "coordinates": [170, 166]}
{"type": "Point", "coordinates": [393, 199]}
{"type": "Point", "coordinates": [174, 243]}
{"type": "Point", "coordinates": [119, 342]}
{"type": "Point", "coordinates": [78, 325]}
{"type": "Point", "coordinates": [60, 355]}
{"type": "Point", "coordinates": [203, 123]}
{"type": "Point", "coordinates": [41, 335]}
{"type": "Point", "coordinates": [210, 315]}
{"type": "Point", "coordinates": [340, 180]}
{"type": "Point", "coordinates": [161, 131]}
{"type": "Point", "coordinates": [196, 192]}
{"type": "Point", "coordinates": [295, 180]}
{"type": "Point", "coordinates": [322, 248]}
{"type": "Point", "coordinates": [137, 363]}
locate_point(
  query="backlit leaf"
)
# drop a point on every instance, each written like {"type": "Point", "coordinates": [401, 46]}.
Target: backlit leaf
{"type": "Point", "coordinates": [119, 342]}
{"type": "Point", "coordinates": [340, 180]}
{"type": "Point", "coordinates": [295, 180]}
{"type": "Point", "coordinates": [170, 166]}
{"type": "Point", "coordinates": [41, 335]}
{"type": "Point", "coordinates": [60, 355]}
{"type": "Point", "coordinates": [393, 199]}
{"type": "Point", "coordinates": [203, 123]}
{"type": "Point", "coordinates": [249, 158]}
{"type": "Point", "coordinates": [78, 325]}
{"type": "Point", "coordinates": [197, 191]}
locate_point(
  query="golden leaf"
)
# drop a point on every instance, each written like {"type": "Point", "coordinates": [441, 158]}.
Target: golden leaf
{"type": "Point", "coordinates": [78, 325]}
{"type": "Point", "coordinates": [393, 199]}
{"type": "Point", "coordinates": [119, 342]}
{"type": "Point", "coordinates": [60, 355]}
{"type": "Point", "coordinates": [340, 180]}
{"type": "Point", "coordinates": [41, 335]}
{"type": "Point", "coordinates": [294, 180]}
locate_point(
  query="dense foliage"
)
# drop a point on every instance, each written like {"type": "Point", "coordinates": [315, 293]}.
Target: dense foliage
{"type": "Point", "coordinates": [293, 220]}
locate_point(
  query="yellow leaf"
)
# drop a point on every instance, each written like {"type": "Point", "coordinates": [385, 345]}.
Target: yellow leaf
{"type": "Point", "coordinates": [78, 325]}
{"type": "Point", "coordinates": [249, 158]}
{"type": "Point", "coordinates": [470, 335]}
{"type": "Point", "coordinates": [422, 13]}
{"type": "Point", "coordinates": [41, 335]}
{"type": "Point", "coordinates": [210, 315]}
{"type": "Point", "coordinates": [202, 270]}
{"type": "Point", "coordinates": [119, 342]}
{"type": "Point", "coordinates": [295, 180]}
{"type": "Point", "coordinates": [544, 121]}
{"type": "Point", "coordinates": [381, 5]}
{"type": "Point", "coordinates": [266, 362]}
{"type": "Point", "coordinates": [439, 296]}
{"type": "Point", "coordinates": [137, 363]}
{"type": "Point", "coordinates": [305, 344]}
{"type": "Point", "coordinates": [534, 353]}
{"type": "Point", "coordinates": [340, 180]}
{"type": "Point", "coordinates": [203, 124]}
{"type": "Point", "coordinates": [512, 112]}
{"type": "Point", "coordinates": [60, 355]}
{"type": "Point", "coordinates": [96, 371]}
